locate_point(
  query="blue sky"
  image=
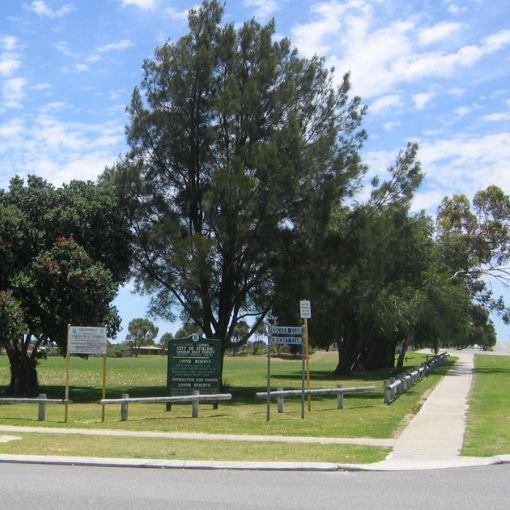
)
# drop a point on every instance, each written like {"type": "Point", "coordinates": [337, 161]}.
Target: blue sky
{"type": "Point", "coordinates": [431, 71]}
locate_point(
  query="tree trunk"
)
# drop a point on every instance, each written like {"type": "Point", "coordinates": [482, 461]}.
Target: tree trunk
{"type": "Point", "coordinates": [348, 350]}
{"type": "Point", "coordinates": [380, 354]}
{"type": "Point", "coordinates": [402, 355]}
{"type": "Point", "coordinates": [24, 381]}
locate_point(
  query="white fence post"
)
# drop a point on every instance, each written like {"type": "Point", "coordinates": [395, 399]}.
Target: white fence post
{"type": "Point", "coordinates": [42, 408]}
{"type": "Point", "coordinates": [124, 408]}
{"type": "Point", "coordinates": [279, 402]}
{"type": "Point", "coordinates": [339, 398]}
{"type": "Point", "coordinates": [195, 405]}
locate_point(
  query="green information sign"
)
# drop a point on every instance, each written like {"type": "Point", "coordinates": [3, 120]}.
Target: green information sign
{"type": "Point", "coordinates": [193, 364]}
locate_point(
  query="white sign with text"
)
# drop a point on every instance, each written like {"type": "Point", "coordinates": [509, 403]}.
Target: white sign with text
{"type": "Point", "coordinates": [86, 340]}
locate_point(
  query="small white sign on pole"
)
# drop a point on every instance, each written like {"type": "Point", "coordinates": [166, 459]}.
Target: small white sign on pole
{"type": "Point", "coordinates": [305, 309]}
{"type": "Point", "coordinates": [85, 340]}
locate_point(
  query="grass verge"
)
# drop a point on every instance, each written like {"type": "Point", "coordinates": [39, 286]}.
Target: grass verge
{"type": "Point", "coordinates": [488, 422]}
{"type": "Point", "coordinates": [364, 415]}
{"type": "Point", "coordinates": [117, 447]}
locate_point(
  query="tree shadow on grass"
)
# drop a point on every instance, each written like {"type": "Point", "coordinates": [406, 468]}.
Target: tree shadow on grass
{"type": "Point", "coordinates": [492, 370]}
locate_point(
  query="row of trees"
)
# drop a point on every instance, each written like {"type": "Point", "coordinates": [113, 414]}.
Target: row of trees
{"type": "Point", "coordinates": [240, 186]}
{"type": "Point", "coordinates": [238, 197]}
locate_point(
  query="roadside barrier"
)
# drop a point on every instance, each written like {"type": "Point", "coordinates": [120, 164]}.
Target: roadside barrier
{"type": "Point", "coordinates": [338, 391]}
{"type": "Point", "coordinates": [194, 399]}
{"type": "Point", "coordinates": [394, 387]}
{"type": "Point", "coordinates": [42, 400]}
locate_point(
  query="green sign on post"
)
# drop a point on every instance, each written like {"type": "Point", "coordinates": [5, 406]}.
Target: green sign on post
{"type": "Point", "coordinates": [194, 365]}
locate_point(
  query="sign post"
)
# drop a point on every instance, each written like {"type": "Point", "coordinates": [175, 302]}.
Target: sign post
{"type": "Point", "coordinates": [193, 365]}
{"type": "Point", "coordinates": [268, 397]}
{"type": "Point", "coordinates": [66, 387]}
{"type": "Point", "coordinates": [85, 340]}
{"type": "Point", "coordinates": [305, 310]}
{"type": "Point", "coordinates": [285, 335]}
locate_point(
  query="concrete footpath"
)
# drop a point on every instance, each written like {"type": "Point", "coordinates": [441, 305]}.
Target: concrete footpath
{"type": "Point", "coordinates": [434, 437]}
{"type": "Point", "coordinates": [432, 440]}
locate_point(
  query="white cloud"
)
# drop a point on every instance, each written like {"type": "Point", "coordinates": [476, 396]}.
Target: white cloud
{"type": "Point", "coordinates": [41, 86]}
{"type": "Point", "coordinates": [93, 58]}
{"type": "Point", "coordinates": [390, 125]}
{"type": "Point", "coordinates": [11, 129]}
{"type": "Point", "coordinates": [497, 117]}
{"type": "Point", "coordinates": [458, 164]}
{"type": "Point", "coordinates": [53, 106]}
{"type": "Point", "coordinates": [453, 7]}
{"type": "Point", "coordinates": [427, 201]}
{"type": "Point", "coordinates": [462, 111]}
{"type": "Point", "coordinates": [9, 60]}
{"type": "Point", "coordinates": [380, 55]}
{"type": "Point", "coordinates": [496, 41]}
{"type": "Point", "coordinates": [13, 92]}
{"type": "Point", "coordinates": [264, 8]}
{"type": "Point", "coordinates": [75, 69]}
{"type": "Point", "coordinates": [143, 4]}
{"type": "Point", "coordinates": [467, 163]}
{"type": "Point", "coordinates": [456, 91]}
{"type": "Point", "coordinates": [57, 150]}
{"type": "Point", "coordinates": [123, 44]}
{"type": "Point", "coordinates": [177, 15]}
{"type": "Point", "coordinates": [384, 102]}
{"type": "Point", "coordinates": [437, 33]}
{"type": "Point", "coordinates": [64, 48]}
{"type": "Point", "coordinates": [8, 42]}
{"type": "Point", "coordinates": [41, 8]}
{"type": "Point", "coordinates": [422, 99]}
{"type": "Point", "coordinates": [9, 64]}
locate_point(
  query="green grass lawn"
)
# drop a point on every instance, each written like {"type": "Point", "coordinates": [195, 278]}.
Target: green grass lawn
{"type": "Point", "coordinates": [117, 447]}
{"type": "Point", "coordinates": [488, 423]}
{"type": "Point", "coordinates": [364, 415]}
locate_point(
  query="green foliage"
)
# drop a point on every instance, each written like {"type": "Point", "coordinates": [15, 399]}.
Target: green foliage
{"type": "Point", "coordinates": [141, 332]}
{"type": "Point", "coordinates": [11, 317]}
{"type": "Point", "coordinates": [165, 338]}
{"type": "Point", "coordinates": [239, 151]}
{"type": "Point", "coordinates": [188, 329]}
{"type": "Point", "coordinates": [475, 239]}
{"type": "Point", "coordinates": [63, 253]}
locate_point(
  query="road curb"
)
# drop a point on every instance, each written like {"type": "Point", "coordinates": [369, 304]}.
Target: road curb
{"type": "Point", "coordinates": [386, 465]}
{"type": "Point", "coordinates": [168, 464]}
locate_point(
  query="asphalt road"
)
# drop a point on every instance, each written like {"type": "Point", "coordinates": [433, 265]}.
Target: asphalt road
{"type": "Point", "coordinates": [29, 486]}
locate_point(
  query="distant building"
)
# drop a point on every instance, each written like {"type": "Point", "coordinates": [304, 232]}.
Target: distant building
{"type": "Point", "coordinates": [151, 349]}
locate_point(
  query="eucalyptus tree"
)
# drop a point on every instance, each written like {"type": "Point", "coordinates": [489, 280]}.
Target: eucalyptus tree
{"type": "Point", "coordinates": [475, 242]}
{"type": "Point", "coordinates": [141, 332]}
{"type": "Point", "coordinates": [240, 149]}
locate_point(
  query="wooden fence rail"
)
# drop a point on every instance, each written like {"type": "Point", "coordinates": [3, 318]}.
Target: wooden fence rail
{"type": "Point", "coordinates": [42, 400]}
{"type": "Point", "coordinates": [339, 392]}
{"type": "Point", "coordinates": [194, 399]}
{"type": "Point", "coordinates": [394, 387]}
